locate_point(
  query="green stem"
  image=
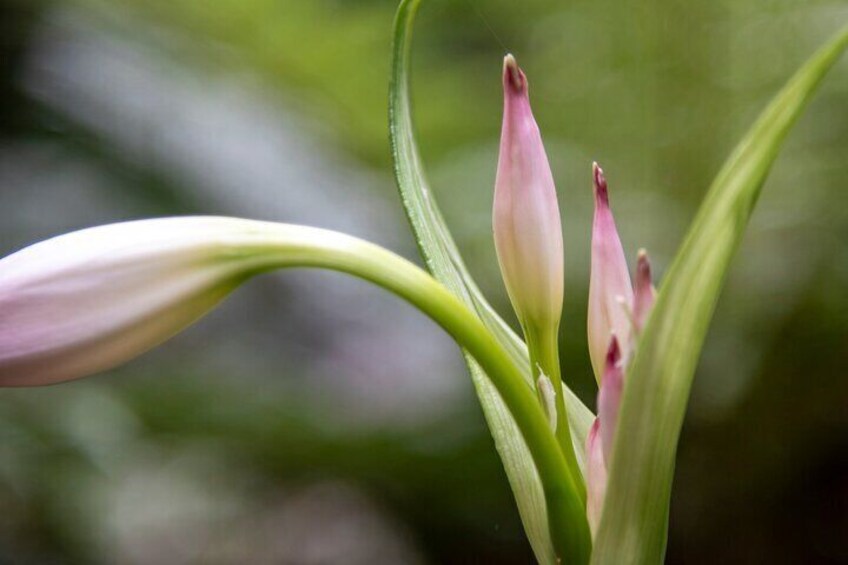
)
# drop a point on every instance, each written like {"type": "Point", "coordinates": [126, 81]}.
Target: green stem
{"type": "Point", "coordinates": [278, 245]}
{"type": "Point", "coordinates": [543, 346]}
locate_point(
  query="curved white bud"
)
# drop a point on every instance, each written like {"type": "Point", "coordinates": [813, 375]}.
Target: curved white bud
{"type": "Point", "coordinates": [87, 301]}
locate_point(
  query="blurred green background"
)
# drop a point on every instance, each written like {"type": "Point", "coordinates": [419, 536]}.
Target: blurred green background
{"type": "Point", "coordinates": [314, 420]}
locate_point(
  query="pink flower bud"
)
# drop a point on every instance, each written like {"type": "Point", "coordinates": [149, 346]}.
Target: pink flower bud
{"type": "Point", "coordinates": [610, 291]}
{"type": "Point", "coordinates": [599, 442]}
{"type": "Point", "coordinates": [528, 232]}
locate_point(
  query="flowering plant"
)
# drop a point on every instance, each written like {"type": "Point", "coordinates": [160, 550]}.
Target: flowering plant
{"type": "Point", "coordinates": [589, 488]}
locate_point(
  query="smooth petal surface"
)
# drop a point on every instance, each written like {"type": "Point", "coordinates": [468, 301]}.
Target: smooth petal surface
{"type": "Point", "coordinates": [528, 231]}
{"type": "Point", "coordinates": [610, 291]}
{"type": "Point", "coordinates": [84, 302]}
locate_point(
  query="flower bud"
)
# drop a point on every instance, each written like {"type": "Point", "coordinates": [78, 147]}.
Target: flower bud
{"type": "Point", "coordinates": [599, 442]}
{"type": "Point", "coordinates": [610, 291]}
{"type": "Point", "coordinates": [609, 397]}
{"type": "Point", "coordinates": [87, 301]}
{"type": "Point", "coordinates": [528, 232]}
{"type": "Point", "coordinates": [644, 293]}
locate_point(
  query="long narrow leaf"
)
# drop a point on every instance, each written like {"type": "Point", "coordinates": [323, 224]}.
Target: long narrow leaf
{"type": "Point", "coordinates": [635, 516]}
{"type": "Point", "coordinates": [445, 263]}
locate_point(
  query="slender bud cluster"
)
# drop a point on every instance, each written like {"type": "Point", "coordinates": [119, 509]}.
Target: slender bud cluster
{"type": "Point", "coordinates": [528, 240]}
{"type": "Point", "coordinates": [617, 314]}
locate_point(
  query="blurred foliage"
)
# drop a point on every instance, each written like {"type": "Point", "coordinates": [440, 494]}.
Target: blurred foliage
{"type": "Point", "coordinates": [657, 91]}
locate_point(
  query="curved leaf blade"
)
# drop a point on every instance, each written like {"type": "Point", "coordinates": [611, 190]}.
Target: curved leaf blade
{"type": "Point", "coordinates": [635, 516]}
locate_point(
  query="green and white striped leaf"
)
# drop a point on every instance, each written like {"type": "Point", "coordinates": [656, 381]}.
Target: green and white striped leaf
{"type": "Point", "coordinates": [442, 257]}
{"type": "Point", "coordinates": [635, 517]}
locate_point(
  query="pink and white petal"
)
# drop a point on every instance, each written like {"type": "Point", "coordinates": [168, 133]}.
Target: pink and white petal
{"type": "Point", "coordinates": [525, 216]}
{"type": "Point", "coordinates": [610, 290]}
{"type": "Point", "coordinates": [87, 301]}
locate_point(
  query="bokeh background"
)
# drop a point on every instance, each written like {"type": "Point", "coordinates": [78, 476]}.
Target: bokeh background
{"type": "Point", "coordinates": [314, 420]}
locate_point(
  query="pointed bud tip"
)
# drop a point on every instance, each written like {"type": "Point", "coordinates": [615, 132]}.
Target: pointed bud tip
{"type": "Point", "coordinates": [592, 436]}
{"type": "Point", "coordinates": [643, 273]}
{"type": "Point", "coordinates": [600, 183]}
{"type": "Point", "coordinates": [643, 264]}
{"type": "Point", "coordinates": [644, 292]}
{"type": "Point", "coordinates": [513, 76]}
{"type": "Point", "coordinates": [614, 352]}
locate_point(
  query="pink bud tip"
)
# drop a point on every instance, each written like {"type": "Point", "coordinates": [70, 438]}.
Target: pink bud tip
{"type": "Point", "coordinates": [613, 354]}
{"type": "Point", "coordinates": [600, 185]}
{"type": "Point", "coordinates": [514, 79]}
{"type": "Point", "coordinates": [644, 293]}
{"type": "Point", "coordinates": [643, 267]}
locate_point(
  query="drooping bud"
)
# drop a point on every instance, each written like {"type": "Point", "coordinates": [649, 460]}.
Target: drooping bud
{"type": "Point", "coordinates": [87, 301]}
{"type": "Point", "coordinates": [644, 293]}
{"type": "Point", "coordinates": [609, 397]}
{"type": "Point", "coordinates": [526, 221]}
{"type": "Point", "coordinates": [610, 291]}
{"type": "Point", "coordinates": [596, 477]}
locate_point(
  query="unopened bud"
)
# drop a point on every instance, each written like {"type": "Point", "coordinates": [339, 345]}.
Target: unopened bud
{"type": "Point", "coordinates": [609, 283]}
{"type": "Point", "coordinates": [526, 221]}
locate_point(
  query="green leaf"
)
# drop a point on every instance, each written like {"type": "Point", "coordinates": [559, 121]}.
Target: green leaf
{"type": "Point", "coordinates": [442, 257]}
{"type": "Point", "coordinates": [635, 517]}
